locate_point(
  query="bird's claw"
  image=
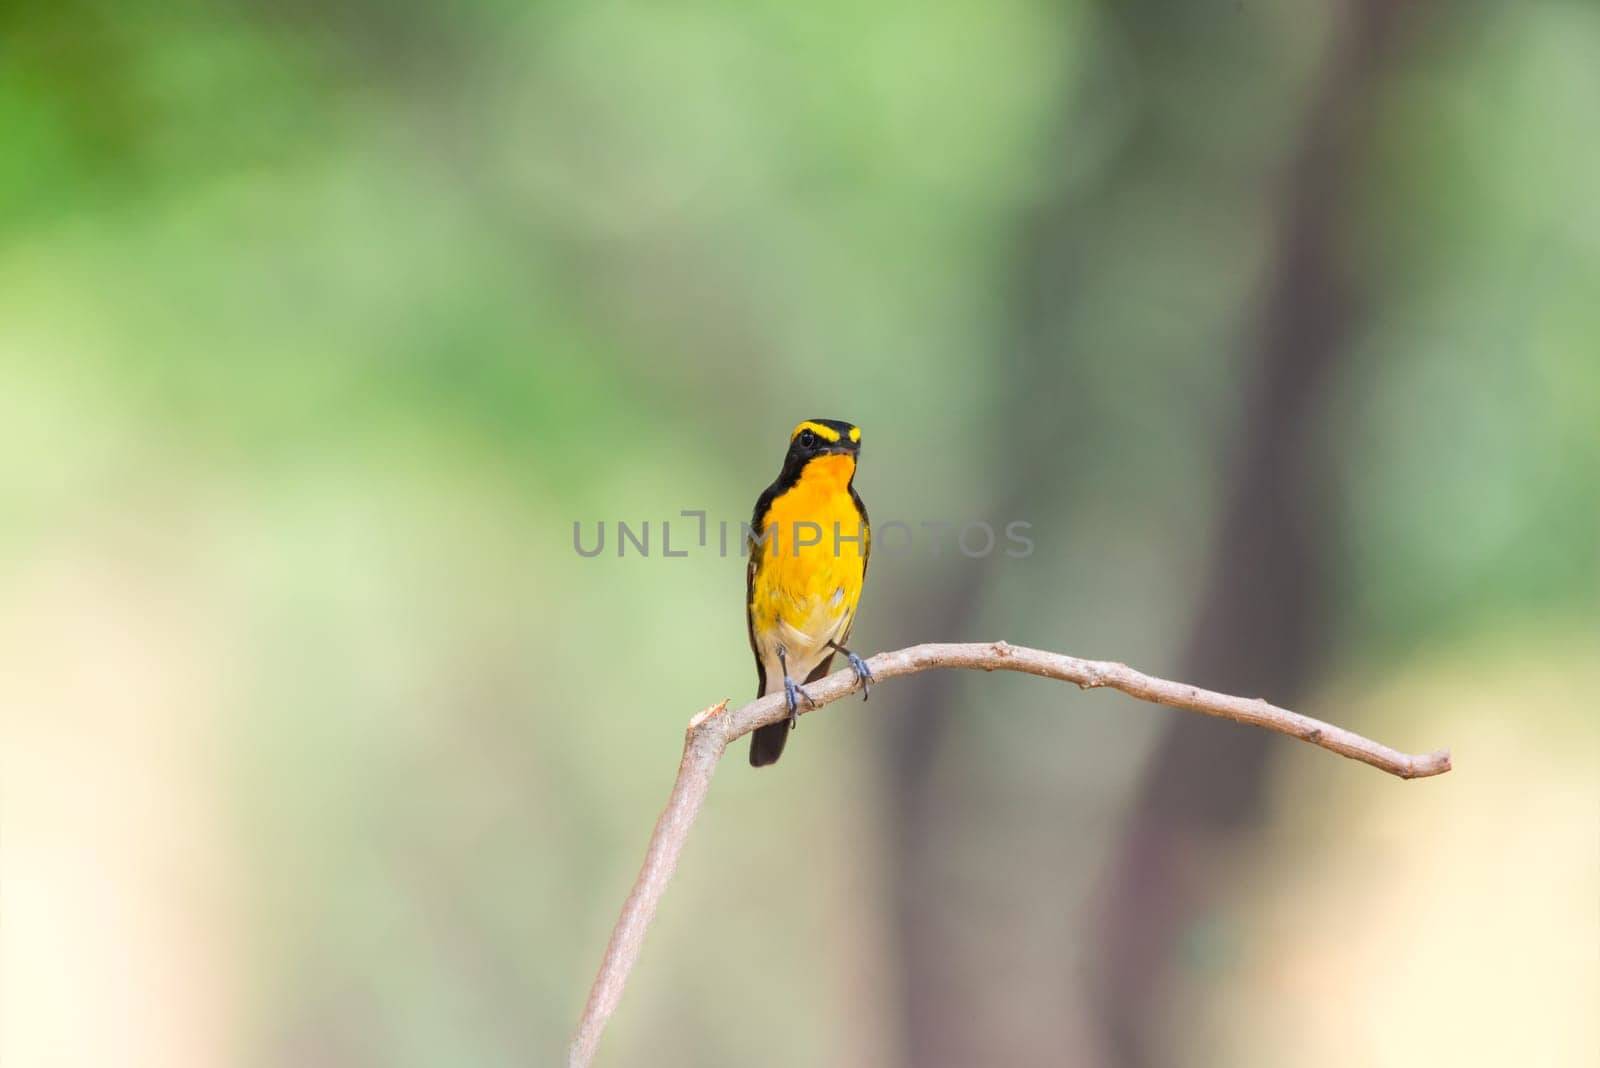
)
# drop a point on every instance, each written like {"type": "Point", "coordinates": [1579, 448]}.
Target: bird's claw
{"type": "Point", "coordinates": [863, 673]}
{"type": "Point", "coordinates": [793, 693]}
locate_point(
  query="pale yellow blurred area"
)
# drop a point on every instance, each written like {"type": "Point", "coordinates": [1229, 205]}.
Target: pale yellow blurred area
{"type": "Point", "coordinates": [1448, 921]}
{"type": "Point", "coordinates": [118, 923]}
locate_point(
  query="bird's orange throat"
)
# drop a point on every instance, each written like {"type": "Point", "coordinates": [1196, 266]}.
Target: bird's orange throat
{"type": "Point", "coordinates": [829, 474]}
{"type": "Point", "coordinates": [819, 497]}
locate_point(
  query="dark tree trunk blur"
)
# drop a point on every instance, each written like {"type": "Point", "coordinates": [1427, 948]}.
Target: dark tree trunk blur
{"type": "Point", "coordinates": [1256, 630]}
{"type": "Point", "coordinates": [937, 1030]}
{"type": "Point", "coordinates": [929, 1034]}
{"type": "Point", "coordinates": [939, 1026]}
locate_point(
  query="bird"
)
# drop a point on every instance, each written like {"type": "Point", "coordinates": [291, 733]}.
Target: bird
{"type": "Point", "coordinates": [808, 546]}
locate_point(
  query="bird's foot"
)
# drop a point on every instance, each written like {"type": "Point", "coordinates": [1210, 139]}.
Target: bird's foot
{"type": "Point", "coordinates": [863, 674]}
{"type": "Point", "coordinates": [794, 694]}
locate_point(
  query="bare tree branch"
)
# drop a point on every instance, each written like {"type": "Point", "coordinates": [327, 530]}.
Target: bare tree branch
{"type": "Point", "coordinates": [711, 731]}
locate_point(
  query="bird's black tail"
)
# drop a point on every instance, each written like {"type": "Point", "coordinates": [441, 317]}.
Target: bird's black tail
{"type": "Point", "coordinates": [766, 744]}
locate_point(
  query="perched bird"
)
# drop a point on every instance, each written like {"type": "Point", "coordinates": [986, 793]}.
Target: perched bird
{"type": "Point", "coordinates": [808, 559]}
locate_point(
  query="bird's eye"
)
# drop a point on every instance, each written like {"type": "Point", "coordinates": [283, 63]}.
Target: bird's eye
{"type": "Point", "coordinates": [808, 439]}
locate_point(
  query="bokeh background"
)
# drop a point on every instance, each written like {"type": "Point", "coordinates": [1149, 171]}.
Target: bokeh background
{"type": "Point", "coordinates": [322, 324]}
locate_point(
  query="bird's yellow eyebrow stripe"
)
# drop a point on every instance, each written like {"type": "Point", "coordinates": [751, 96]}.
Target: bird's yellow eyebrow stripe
{"type": "Point", "coordinates": [855, 433]}
{"type": "Point", "coordinates": [826, 433]}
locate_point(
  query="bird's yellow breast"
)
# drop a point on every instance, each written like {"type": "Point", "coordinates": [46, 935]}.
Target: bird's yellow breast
{"type": "Point", "coordinates": [808, 592]}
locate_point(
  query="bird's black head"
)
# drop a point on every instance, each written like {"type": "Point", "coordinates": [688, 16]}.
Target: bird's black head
{"type": "Point", "coordinates": [819, 437]}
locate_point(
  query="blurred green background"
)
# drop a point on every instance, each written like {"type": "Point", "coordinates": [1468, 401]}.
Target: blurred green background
{"type": "Point", "coordinates": [321, 325]}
